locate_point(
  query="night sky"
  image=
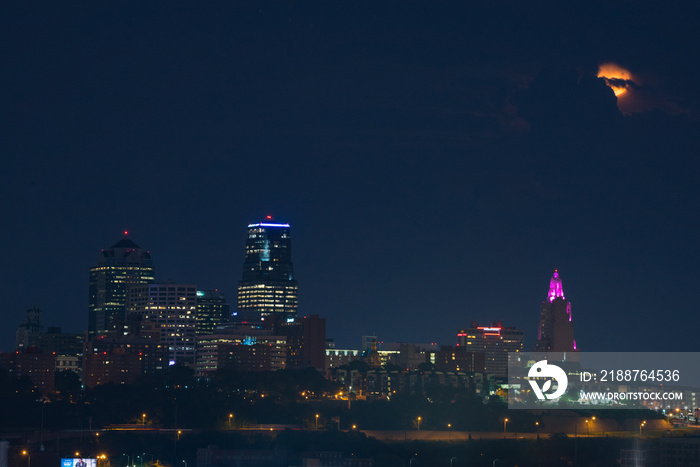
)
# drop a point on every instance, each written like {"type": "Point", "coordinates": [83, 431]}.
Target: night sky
{"type": "Point", "coordinates": [437, 161]}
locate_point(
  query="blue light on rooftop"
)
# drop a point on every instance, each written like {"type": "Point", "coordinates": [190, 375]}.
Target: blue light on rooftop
{"type": "Point", "coordinates": [262, 224]}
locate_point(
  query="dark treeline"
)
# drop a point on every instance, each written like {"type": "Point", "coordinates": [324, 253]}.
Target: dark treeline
{"type": "Point", "coordinates": [176, 399]}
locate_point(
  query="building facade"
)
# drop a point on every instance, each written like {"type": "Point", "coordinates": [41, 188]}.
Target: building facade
{"type": "Point", "coordinates": [171, 309]}
{"type": "Point", "coordinates": [55, 342]}
{"type": "Point", "coordinates": [313, 348]}
{"type": "Point", "coordinates": [339, 357]}
{"type": "Point", "coordinates": [556, 328]}
{"type": "Point", "coordinates": [212, 311]}
{"type": "Point", "coordinates": [39, 368]}
{"type": "Point", "coordinates": [268, 287]}
{"type": "Point", "coordinates": [495, 342]}
{"type": "Point", "coordinates": [29, 331]}
{"type": "Point", "coordinates": [224, 350]}
{"type": "Point", "coordinates": [119, 359]}
{"type": "Point", "coordinates": [380, 384]}
{"type": "Point", "coordinates": [122, 265]}
{"type": "Point", "coordinates": [456, 359]}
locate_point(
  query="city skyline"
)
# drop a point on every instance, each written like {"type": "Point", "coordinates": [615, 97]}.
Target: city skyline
{"type": "Point", "coordinates": [436, 162]}
{"type": "Point", "coordinates": [555, 291]}
{"type": "Point", "coordinates": [154, 283]}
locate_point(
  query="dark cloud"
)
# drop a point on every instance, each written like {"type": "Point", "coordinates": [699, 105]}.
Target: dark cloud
{"type": "Point", "coordinates": [644, 98]}
{"type": "Point", "coordinates": [565, 101]}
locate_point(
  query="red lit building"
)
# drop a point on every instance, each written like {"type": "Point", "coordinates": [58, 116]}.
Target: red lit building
{"type": "Point", "coordinates": [38, 367]}
{"type": "Point", "coordinates": [120, 359]}
{"type": "Point", "coordinates": [119, 366]}
{"type": "Point", "coordinates": [313, 347]}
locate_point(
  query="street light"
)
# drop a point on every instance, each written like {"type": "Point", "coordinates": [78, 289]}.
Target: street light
{"type": "Point", "coordinates": [452, 460]}
{"type": "Point", "coordinates": [316, 422]}
{"type": "Point", "coordinates": [640, 427]}
{"type": "Point", "coordinates": [143, 419]}
{"type": "Point", "coordinates": [230, 416]}
{"type": "Point", "coordinates": [505, 430]}
{"type": "Point", "coordinates": [29, 458]}
{"type": "Point", "coordinates": [179, 432]}
{"type": "Point", "coordinates": [419, 420]}
{"type": "Point", "coordinates": [588, 429]}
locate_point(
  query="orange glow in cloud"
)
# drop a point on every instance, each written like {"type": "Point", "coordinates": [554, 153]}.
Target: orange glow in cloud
{"type": "Point", "coordinates": [615, 77]}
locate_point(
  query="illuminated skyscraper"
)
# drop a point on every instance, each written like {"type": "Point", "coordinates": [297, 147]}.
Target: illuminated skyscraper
{"type": "Point", "coordinates": [268, 287]}
{"type": "Point", "coordinates": [124, 264]}
{"type": "Point", "coordinates": [556, 330]}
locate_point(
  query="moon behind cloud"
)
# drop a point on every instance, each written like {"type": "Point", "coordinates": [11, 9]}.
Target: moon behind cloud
{"type": "Point", "coordinates": [616, 77]}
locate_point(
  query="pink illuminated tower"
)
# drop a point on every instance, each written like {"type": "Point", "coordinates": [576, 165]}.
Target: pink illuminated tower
{"type": "Point", "coordinates": [556, 330]}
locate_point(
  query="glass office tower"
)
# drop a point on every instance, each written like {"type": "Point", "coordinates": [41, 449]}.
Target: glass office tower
{"type": "Point", "coordinates": [267, 288]}
{"type": "Point", "coordinates": [122, 265]}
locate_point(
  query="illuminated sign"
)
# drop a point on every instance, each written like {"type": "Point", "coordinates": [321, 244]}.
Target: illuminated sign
{"type": "Point", "coordinates": [79, 462]}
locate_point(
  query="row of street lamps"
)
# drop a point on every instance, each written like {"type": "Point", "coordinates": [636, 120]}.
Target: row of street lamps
{"type": "Point", "coordinates": [537, 424]}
